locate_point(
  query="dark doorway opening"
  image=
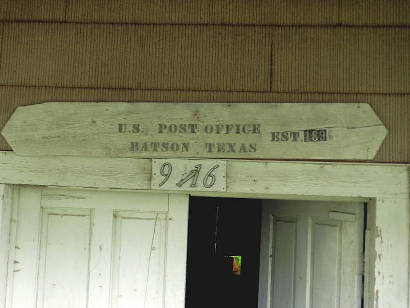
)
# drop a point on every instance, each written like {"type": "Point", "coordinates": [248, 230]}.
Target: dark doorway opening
{"type": "Point", "coordinates": [223, 252]}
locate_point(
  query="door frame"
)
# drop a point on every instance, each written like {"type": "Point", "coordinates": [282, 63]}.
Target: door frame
{"type": "Point", "coordinates": [385, 187]}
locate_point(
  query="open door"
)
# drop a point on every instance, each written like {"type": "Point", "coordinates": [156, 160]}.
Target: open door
{"type": "Point", "coordinates": [223, 253]}
{"type": "Point", "coordinates": [96, 249]}
{"type": "Point", "coordinates": [311, 254]}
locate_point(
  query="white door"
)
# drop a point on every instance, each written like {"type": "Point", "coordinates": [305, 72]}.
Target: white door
{"type": "Point", "coordinates": [96, 249]}
{"type": "Point", "coordinates": [311, 254]}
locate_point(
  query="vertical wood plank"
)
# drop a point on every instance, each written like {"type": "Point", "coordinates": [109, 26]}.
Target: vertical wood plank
{"type": "Point", "coordinates": [265, 264]}
{"type": "Point", "coordinates": [27, 250]}
{"type": "Point", "coordinates": [6, 204]}
{"type": "Point", "coordinates": [64, 258]}
{"type": "Point", "coordinates": [139, 250]}
{"type": "Point", "coordinates": [177, 250]}
{"type": "Point", "coordinates": [100, 261]}
{"type": "Point", "coordinates": [284, 262]}
{"type": "Point", "coordinates": [391, 252]}
{"type": "Point", "coordinates": [303, 262]}
{"type": "Point", "coordinates": [326, 266]}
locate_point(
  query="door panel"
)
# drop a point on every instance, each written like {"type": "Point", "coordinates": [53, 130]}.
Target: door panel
{"type": "Point", "coordinates": [284, 266]}
{"type": "Point", "coordinates": [66, 235]}
{"type": "Point", "coordinates": [311, 254]}
{"type": "Point", "coordinates": [95, 249]}
{"type": "Point", "coordinates": [325, 265]}
{"type": "Point", "coordinates": [138, 259]}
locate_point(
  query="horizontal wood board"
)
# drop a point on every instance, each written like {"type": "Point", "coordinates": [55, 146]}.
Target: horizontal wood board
{"type": "Point", "coordinates": [212, 58]}
{"type": "Point", "coordinates": [243, 177]}
{"type": "Point", "coordinates": [85, 72]}
{"type": "Point", "coordinates": [287, 12]}
{"type": "Point", "coordinates": [193, 130]}
{"type": "Point", "coordinates": [393, 110]}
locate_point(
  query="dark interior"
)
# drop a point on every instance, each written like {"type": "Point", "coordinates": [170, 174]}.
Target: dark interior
{"type": "Point", "coordinates": [219, 228]}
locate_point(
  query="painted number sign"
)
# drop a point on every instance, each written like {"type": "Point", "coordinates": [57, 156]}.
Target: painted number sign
{"type": "Point", "coordinates": [187, 174]}
{"type": "Point", "coordinates": [183, 130]}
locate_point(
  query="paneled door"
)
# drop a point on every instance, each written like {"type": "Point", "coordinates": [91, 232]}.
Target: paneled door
{"type": "Point", "coordinates": [311, 254]}
{"type": "Point", "coordinates": [98, 249]}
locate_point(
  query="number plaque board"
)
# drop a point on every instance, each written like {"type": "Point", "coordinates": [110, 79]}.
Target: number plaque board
{"type": "Point", "coordinates": [189, 174]}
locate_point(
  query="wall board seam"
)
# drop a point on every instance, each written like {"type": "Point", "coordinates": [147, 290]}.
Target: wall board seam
{"type": "Point", "coordinates": [203, 90]}
{"type": "Point", "coordinates": [227, 25]}
{"type": "Point", "coordinates": [2, 27]}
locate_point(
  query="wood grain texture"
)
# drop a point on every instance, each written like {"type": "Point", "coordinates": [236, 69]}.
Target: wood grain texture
{"type": "Point", "coordinates": [6, 225]}
{"type": "Point", "coordinates": [205, 12]}
{"type": "Point", "coordinates": [44, 10]}
{"type": "Point", "coordinates": [76, 172]}
{"type": "Point", "coordinates": [393, 110]}
{"type": "Point", "coordinates": [269, 131]}
{"type": "Point", "coordinates": [138, 57]}
{"type": "Point", "coordinates": [340, 60]}
{"type": "Point", "coordinates": [212, 58]}
{"type": "Point", "coordinates": [243, 177]}
{"type": "Point", "coordinates": [260, 12]}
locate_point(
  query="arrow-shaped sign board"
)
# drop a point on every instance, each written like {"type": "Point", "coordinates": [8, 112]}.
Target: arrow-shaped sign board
{"type": "Point", "coordinates": [197, 130]}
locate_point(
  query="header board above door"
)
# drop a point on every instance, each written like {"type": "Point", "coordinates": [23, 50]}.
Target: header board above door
{"type": "Point", "coordinates": [346, 131]}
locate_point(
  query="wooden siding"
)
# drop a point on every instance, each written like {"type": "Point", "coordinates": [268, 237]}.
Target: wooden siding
{"type": "Point", "coordinates": [256, 12]}
{"type": "Point", "coordinates": [211, 51]}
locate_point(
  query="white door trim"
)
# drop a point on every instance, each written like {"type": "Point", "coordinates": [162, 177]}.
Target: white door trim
{"type": "Point", "coordinates": [384, 187]}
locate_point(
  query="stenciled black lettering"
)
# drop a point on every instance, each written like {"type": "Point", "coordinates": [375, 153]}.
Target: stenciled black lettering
{"type": "Point", "coordinates": [208, 129]}
{"type": "Point", "coordinates": [275, 136]}
{"type": "Point", "coordinates": [174, 147]}
{"type": "Point", "coordinates": [229, 128]}
{"type": "Point", "coordinates": [243, 148]}
{"type": "Point", "coordinates": [185, 147]}
{"type": "Point", "coordinates": [220, 147]}
{"type": "Point", "coordinates": [164, 147]}
{"type": "Point", "coordinates": [209, 147]}
{"type": "Point", "coordinates": [256, 128]}
{"type": "Point", "coordinates": [161, 128]}
{"type": "Point", "coordinates": [284, 136]}
{"type": "Point", "coordinates": [136, 128]}
{"type": "Point", "coordinates": [231, 147]}
{"type": "Point", "coordinates": [172, 128]}
{"type": "Point", "coordinates": [144, 147]}
{"type": "Point", "coordinates": [134, 146]}
{"type": "Point", "coordinates": [252, 147]}
{"type": "Point", "coordinates": [295, 136]}
{"type": "Point", "coordinates": [154, 146]}
{"type": "Point", "coordinates": [122, 128]}
{"type": "Point", "coordinates": [193, 128]}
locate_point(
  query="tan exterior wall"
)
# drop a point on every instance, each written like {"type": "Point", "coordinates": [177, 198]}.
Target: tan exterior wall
{"type": "Point", "coordinates": [212, 51]}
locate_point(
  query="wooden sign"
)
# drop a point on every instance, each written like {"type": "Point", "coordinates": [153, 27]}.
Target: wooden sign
{"type": "Point", "coordinates": [188, 174]}
{"type": "Point", "coordinates": [197, 130]}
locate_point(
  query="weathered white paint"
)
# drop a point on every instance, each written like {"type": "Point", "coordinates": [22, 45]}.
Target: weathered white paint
{"type": "Point", "coordinates": [189, 174]}
{"type": "Point", "coordinates": [257, 178]}
{"type": "Point", "coordinates": [110, 249]}
{"type": "Point", "coordinates": [385, 187]}
{"type": "Point", "coordinates": [5, 220]}
{"type": "Point", "coordinates": [267, 130]}
{"type": "Point", "coordinates": [308, 259]}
